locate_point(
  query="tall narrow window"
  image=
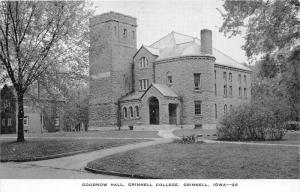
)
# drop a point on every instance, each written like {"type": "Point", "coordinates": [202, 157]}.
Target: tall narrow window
{"type": "Point", "coordinates": [56, 121]}
{"type": "Point", "coordinates": [245, 79]}
{"type": "Point", "coordinates": [225, 90]}
{"type": "Point", "coordinates": [240, 92]}
{"type": "Point", "coordinates": [125, 112]}
{"type": "Point", "coordinates": [216, 111]}
{"type": "Point", "coordinates": [230, 77]}
{"type": "Point", "coordinates": [143, 63]}
{"type": "Point", "coordinates": [169, 78]}
{"type": "Point", "coordinates": [124, 33]}
{"type": "Point", "coordinates": [224, 76]}
{"type": "Point", "coordinates": [245, 92]}
{"type": "Point", "coordinates": [230, 91]}
{"type": "Point", "coordinates": [198, 107]}
{"type": "Point", "coordinates": [225, 109]}
{"type": "Point", "coordinates": [230, 109]}
{"type": "Point", "coordinates": [197, 80]}
{"type": "Point", "coordinates": [3, 122]}
{"type": "Point", "coordinates": [137, 113]}
{"type": "Point", "coordinates": [240, 79]}
{"type": "Point", "coordinates": [26, 121]}
{"type": "Point", "coordinates": [215, 75]}
{"type": "Point", "coordinates": [115, 30]}
{"type": "Point", "coordinates": [144, 84]}
{"type": "Point", "coordinates": [215, 89]}
{"type": "Point", "coordinates": [131, 112]}
{"type": "Point", "coordinates": [9, 122]}
{"type": "Point", "coordinates": [133, 35]}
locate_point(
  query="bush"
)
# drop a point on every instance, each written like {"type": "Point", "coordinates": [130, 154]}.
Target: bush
{"type": "Point", "coordinates": [187, 139]}
{"type": "Point", "coordinates": [251, 123]}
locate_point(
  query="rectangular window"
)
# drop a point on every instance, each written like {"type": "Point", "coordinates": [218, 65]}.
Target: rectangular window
{"type": "Point", "coordinates": [245, 79]}
{"type": "Point", "coordinates": [230, 90]}
{"type": "Point", "coordinates": [198, 107]}
{"type": "Point", "coordinates": [216, 111]}
{"type": "Point", "coordinates": [170, 81]}
{"type": "Point", "coordinates": [197, 80]}
{"type": "Point", "coordinates": [230, 77]}
{"type": "Point", "coordinates": [225, 76]}
{"type": "Point", "coordinates": [26, 121]}
{"type": "Point", "coordinates": [3, 122]}
{"type": "Point", "coordinates": [9, 122]}
{"type": "Point", "coordinates": [240, 92]}
{"type": "Point", "coordinates": [215, 75]}
{"type": "Point", "coordinates": [215, 89]}
{"type": "Point", "coordinates": [124, 33]}
{"type": "Point", "coordinates": [56, 121]}
{"type": "Point", "coordinates": [245, 92]}
{"type": "Point", "coordinates": [144, 84]}
{"type": "Point", "coordinates": [225, 90]}
{"type": "Point", "coordinates": [240, 79]}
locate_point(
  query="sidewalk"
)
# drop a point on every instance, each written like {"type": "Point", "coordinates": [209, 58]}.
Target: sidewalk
{"type": "Point", "coordinates": [73, 166]}
{"type": "Point", "coordinates": [78, 162]}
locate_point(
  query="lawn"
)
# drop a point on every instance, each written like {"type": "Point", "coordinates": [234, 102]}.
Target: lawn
{"type": "Point", "coordinates": [205, 161]}
{"type": "Point", "coordinates": [38, 149]}
{"type": "Point", "coordinates": [101, 134]}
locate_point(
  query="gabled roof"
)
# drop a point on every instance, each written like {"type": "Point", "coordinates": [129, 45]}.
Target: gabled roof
{"type": "Point", "coordinates": [165, 90]}
{"type": "Point", "coordinates": [177, 45]}
{"type": "Point", "coordinates": [133, 96]}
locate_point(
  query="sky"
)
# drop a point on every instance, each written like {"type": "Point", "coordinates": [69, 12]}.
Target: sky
{"type": "Point", "coordinates": [157, 18]}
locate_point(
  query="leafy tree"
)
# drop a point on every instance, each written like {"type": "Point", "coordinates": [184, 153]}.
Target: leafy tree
{"type": "Point", "coordinates": [272, 39]}
{"type": "Point", "coordinates": [41, 41]}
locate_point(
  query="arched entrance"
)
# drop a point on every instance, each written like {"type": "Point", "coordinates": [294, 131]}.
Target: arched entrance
{"type": "Point", "coordinates": [154, 111]}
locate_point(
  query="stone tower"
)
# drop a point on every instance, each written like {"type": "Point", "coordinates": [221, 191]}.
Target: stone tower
{"type": "Point", "coordinates": [112, 46]}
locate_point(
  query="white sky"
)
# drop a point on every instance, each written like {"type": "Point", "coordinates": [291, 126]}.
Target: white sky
{"type": "Point", "coordinates": [156, 18]}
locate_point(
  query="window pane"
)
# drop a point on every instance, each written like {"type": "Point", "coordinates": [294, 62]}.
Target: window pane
{"type": "Point", "coordinates": [197, 107]}
{"type": "Point", "coordinates": [197, 80]}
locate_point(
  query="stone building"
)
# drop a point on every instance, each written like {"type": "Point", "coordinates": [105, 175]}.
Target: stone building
{"type": "Point", "coordinates": [178, 80]}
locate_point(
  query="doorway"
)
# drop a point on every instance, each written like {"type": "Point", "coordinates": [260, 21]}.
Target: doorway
{"type": "Point", "coordinates": [173, 114]}
{"type": "Point", "coordinates": [154, 111]}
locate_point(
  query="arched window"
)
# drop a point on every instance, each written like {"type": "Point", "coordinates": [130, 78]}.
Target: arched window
{"type": "Point", "coordinates": [131, 112]}
{"type": "Point", "coordinates": [137, 113]}
{"type": "Point", "coordinates": [225, 109]}
{"type": "Point", "coordinates": [125, 112]}
{"type": "Point", "coordinates": [143, 63]}
{"type": "Point", "coordinates": [231, 109]}
{"type": "Point", "coordinates": [169, 78]}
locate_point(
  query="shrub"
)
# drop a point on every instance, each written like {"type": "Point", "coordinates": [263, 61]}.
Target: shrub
{"type": "Point", "coordinates": [251, 122]}
{"type": "Point", "coordinates": [187, 139]}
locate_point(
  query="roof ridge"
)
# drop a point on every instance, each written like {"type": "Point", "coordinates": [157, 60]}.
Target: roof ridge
{"type": "Point", "coordinates": [226, 55]}
{"type": "Point", "coordinates": [161, 38]}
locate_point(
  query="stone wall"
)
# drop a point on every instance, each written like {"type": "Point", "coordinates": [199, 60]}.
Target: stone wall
{"type": "Point", "coordinates": [112, 47]}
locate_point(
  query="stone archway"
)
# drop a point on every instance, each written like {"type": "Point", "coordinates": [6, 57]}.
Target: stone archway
{"type": "Point", "coordinates": [154, 111]}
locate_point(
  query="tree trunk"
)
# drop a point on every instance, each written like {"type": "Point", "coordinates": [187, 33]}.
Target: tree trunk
{"type": "Point", "coordinates": [20, 118]}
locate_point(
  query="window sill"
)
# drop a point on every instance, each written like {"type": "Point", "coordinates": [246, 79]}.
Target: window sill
{"type": "Point", "coordinates": [198, 91]}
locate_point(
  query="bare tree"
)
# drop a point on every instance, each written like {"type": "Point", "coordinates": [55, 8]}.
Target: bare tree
{"type": "Point", "coordinates": [38, 39]}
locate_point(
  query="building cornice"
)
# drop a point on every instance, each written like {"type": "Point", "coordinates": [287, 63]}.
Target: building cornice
{"type": "Point", "coordinates": [206, 57]}
{"type": "Point", "coordinates": [232, 68]}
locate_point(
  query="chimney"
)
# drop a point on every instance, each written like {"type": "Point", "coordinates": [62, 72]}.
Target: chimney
{"type": "Point", "coordinates": [206, 42]}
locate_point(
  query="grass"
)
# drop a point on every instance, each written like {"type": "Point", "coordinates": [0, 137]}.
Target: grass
{"type": "Point", "coordinates": [38, 149]}
{"type": "Point", "coordinates": [205, 161]}
{"type": "Point", "coordinates": [103, 134]}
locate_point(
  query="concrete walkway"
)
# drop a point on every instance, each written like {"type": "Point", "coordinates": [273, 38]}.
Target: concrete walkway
{"type": "Point", "coordinates": [78, 162]}
{"type": "Point", "coordinates": [73, 166]}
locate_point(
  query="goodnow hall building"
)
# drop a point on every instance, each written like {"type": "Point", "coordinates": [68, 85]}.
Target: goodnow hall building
{"type": "Point", "coordinates": [178, 80]}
